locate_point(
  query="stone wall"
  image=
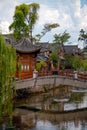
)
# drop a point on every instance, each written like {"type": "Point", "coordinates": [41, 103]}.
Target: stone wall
{"type": "Point", "coordinates": [50, 81]}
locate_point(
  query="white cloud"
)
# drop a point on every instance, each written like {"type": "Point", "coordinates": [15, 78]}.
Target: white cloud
{"type": "Point", "coordinates": [51, 15]}
{"type": "Point", "coordinates": [4, 27]}
{"type": "Point", "coordinates": [68, 14]}
{"type": "Point", "coordinates": [84, 17]}
{"type": "Point", "coordinates": [7, 8]}
{"type": "Point", "coordinates": [47, 15]}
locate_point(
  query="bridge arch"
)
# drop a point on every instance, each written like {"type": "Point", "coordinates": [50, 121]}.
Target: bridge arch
{"type": "Point", "coordinates": [50, 81]}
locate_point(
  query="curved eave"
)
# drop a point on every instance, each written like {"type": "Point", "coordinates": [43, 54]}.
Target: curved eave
{"type": "Point", "coordinates": [28, 52]}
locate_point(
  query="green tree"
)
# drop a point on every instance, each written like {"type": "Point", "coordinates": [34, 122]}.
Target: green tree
{"type": "Point", "coordinates": [77, 62]}
{"type": "Point", "coordinates": [68, 60]}
{"type": "Point", "coordinates": [82, 35]}
{"type": "Point", "coordinates": [40, 65]}
{"type": "Point", "coordinates": [47, 28]}
{"type": "Point", "coordinates": [54, 58]}
{"type": "Point", "coordinates": [24, 19]}
{"type": "Point", "coordinates": [61, 38]}
{"type": "Point", "coordinates": [58, 42]}
{"type": "Point", "coordinates": [7, 71]}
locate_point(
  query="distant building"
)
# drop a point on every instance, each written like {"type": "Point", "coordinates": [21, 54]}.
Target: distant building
{"type": "Point", "coordinates": [84, 53]}
{"type": "Point", "coordinates": [85, 43]}
{"type": "Point", "coordinates": [44, 55]}
{"type": "Point", "coordinates": [71, 49]}
{"type": "Point", "coordinates": [44, 52]}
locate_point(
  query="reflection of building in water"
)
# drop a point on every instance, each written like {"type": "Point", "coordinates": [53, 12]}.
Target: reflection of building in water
{"type": "Point", "coordinates": [24, 118]}
{"type": "Point", "coordinates": [62, 92]}
{"type": "Point", "coordinates": [63, 126]}
{"type": "Point", "coordinates": [84, 125]}
{"type": "Point", "coordinates": [28, 119]}
{"type": "Point", "coordinates": [64, 120]}
{"type": "Point", "coordinates": [76, 121]}
{"type": "Point", "coordinates": [61, 106]}
{"type": "Point", "coordinates": [46, 102]}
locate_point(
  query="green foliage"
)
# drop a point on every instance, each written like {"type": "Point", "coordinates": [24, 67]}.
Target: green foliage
{"type": "Point", "coordinates": [40, 65]}
{"type": "Point", "coordinates": [61, 38]}
{"type": "Point", "coordinates": [54, 58]}
{"type": "Point", "coordinates": [76, 97]}
{"type": "Point", "coordinates": [24, 19]}
{"type": "Point", "coordinates": [68, 60]}
{"type": "Point", "coordinates": [82, 35]}
{"type": "Point", "coordinates": [18, 26]}
{"type": "Point", "coordinates": [7, 72]}
{"type": "Point", "coordinates": [47, 28]}
{"type": "Point", "coordinates": [85, 65]}
{"type": "Point", "coordinates": [77, 62]}
{"type": "Point", "coordinates": [33, 14]}
{"type": "Point", "coordinates": [46, 88]}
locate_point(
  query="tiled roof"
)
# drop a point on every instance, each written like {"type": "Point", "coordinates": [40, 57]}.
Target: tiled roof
{"type": "Point", "coordinates": [45, 46]}
{"type": "Point", "coordinates": [9, 39]}
{"type": "Point", "coordinates": [71, 49]}
{"type": "Point", "coordinates": [41, 57]}
{"type": "Point", "coordinates": [25, 46]}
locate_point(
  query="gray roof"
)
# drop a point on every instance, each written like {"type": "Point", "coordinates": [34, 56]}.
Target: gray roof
{"type": "Point", "coordinates": [41, 57]}
{"type": "Point", "coordinates": [45, 46]}
{"type": "Point", "coordinates": [25, 46]}
{"type": "Point", "coordinates": [71, 49]}
{"type": "Point", "coordinates": [9, 39]}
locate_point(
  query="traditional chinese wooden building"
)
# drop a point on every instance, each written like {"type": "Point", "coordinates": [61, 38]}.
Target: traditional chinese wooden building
{"type": "Point", "coordinates": [44, 56]}
{"type": "Point", "coordinates": [26, 58]}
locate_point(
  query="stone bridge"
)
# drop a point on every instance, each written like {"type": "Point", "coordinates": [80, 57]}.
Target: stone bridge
{"type": "Point", "coordinates": [50, 81]}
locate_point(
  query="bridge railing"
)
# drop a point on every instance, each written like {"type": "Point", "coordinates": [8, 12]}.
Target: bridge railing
{"type": "Point", "coordinates": [69, 73]}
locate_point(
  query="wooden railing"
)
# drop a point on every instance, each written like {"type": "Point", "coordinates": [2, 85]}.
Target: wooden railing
{"type": "Point", "coordinates": [82, 76]}
{"type": "Point", "coordinates": [69, 73]}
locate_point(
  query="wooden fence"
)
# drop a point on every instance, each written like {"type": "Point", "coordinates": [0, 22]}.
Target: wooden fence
{"type": "Point", "coordinates": [69, 73]}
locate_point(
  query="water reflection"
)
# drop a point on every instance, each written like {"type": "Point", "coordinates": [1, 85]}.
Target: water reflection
{"type": "Point", "coordinates": [60, 109]}
{"type": "Point", "coordinates": [62, 126]}
{"type": "Point", "coordinates": [62, 99]}
{"type": "Point", "coordinates": [52, 121]}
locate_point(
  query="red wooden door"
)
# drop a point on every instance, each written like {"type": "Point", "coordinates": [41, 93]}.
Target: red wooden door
{"type": "Point", "coordinates": [26, 62]}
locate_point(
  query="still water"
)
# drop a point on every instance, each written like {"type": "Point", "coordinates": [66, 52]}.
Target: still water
{"type": "Point", "coordinates": [64, 108]}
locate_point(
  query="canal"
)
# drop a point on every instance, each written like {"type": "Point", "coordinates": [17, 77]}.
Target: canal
{"type": "Point", "coordinates": [63, 108]}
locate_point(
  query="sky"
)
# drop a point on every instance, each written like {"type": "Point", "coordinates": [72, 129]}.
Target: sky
{"type": "Point", "coordinates": [71, 15]}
